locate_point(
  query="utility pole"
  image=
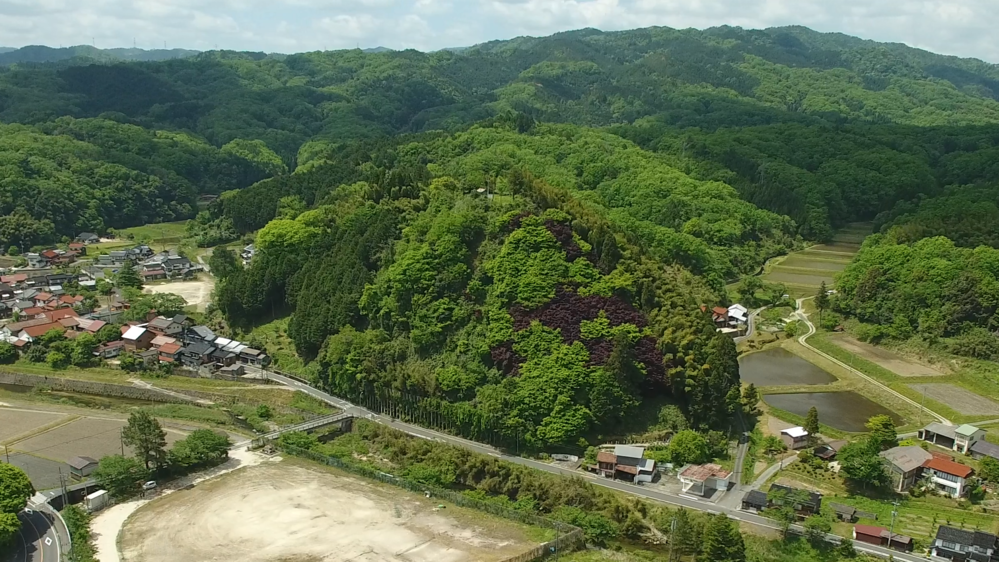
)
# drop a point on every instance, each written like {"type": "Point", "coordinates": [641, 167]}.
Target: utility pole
{"type": "Point", "coordinates": [672, 538]}
{"type": "Point", "coordinates": [62, 486]}
{"type": "Point", "coordinates": [891, 529]}
{"type": "Point", "coordinates": [121, 437]}
{"type": "Point", "coordinates": [6, 451]}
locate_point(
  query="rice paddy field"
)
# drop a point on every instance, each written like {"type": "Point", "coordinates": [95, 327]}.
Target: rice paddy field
{"type": "Point", "coordinates": [804, 272]}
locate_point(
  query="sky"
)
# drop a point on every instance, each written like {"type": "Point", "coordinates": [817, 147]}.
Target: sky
{"type": "Point", "coordinates": [957, 27]}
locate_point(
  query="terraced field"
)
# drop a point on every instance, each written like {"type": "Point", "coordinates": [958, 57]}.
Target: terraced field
{"type": "Point", "coordinates": [803, 272]}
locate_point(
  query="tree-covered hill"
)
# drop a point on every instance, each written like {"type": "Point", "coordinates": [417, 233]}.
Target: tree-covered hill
{"type": "Point", "coordinates": [86, 54]}
{"type": "Point", "coordinates": [824, 128]}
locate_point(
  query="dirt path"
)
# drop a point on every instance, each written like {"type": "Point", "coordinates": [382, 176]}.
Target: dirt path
{"type": "Point", "coordinates": [108, 523]}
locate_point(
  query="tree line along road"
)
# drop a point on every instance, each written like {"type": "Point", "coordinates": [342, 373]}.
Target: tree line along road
{"type": "Point", "coordinates": [663, 497]}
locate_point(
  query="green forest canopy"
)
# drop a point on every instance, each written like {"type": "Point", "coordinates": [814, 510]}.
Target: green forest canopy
{"type": "Point", "coordinates": [519, 235]}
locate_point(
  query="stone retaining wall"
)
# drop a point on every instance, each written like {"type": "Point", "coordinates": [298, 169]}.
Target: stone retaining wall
{"type": "Point", "coordinates": [87, 387]}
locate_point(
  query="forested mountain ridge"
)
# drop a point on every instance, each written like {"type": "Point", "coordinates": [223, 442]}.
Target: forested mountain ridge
{"type": "Point", "coordinates": [721, 103]}
{"type": "Point", "coordinates": [86, 53]}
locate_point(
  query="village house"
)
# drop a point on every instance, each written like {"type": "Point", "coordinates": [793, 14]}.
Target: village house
{"type": "Point", "coordinates": [200, 333]}
{"type": "Point", "coordinates": [137, 338]}
{"type": "Point", "coordinates": [905, 466]}
{"type": "Point", "coordinates": [961, 545]}
{"type": "Point", "coordinates": [794, 437]}
{"type": "Point", "coordinates": [880, 536]}
{"type": "Point", "coordinates": [755, 500]}
{"type": "Point", "coordinates": [959, 439]}
{"type": "Point", "coordinates": [110, 350]}
{"type": "Point", "coordinates": [165, 326]}
{"type": "Point", "coordinates": [255, 357]}
{"type": "Point", "coordinates": [153, 275]}
{"type": "Point", "coordinates": [625, 463]}
{"type": "Point", "coordinates": [947, 476]}
{"type": "Point", "coordinates": [170, 352]}
{"type": "Point", "coordinates": [232, 371]}
{"type": "Point", "coordinates": [806, 502]}
{"type": "Point", "coordinates": [88, 238]}
{"type": "Point", "coordinates": [32, 333]}
{"type": "Point", "coordinates": [196, 354]}
{"type": "Point", "coordinates": [78, 247]}
{"type": "Point", "coordinates": [701, 479]}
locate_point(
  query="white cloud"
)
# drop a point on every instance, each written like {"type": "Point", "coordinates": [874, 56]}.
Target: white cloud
{"type": "Point", "coordinates": [961, 27]}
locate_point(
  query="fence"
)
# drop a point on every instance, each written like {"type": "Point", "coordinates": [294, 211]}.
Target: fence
{"type": "Point", "coordinates": [567, 537]}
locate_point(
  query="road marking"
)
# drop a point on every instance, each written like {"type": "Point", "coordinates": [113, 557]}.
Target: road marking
{"type": "Point", "coordinates": [48, 541]}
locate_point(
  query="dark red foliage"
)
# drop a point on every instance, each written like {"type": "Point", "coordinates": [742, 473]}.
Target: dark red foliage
{"type": "Point", "coordinates": [563, 233]}
{"type": "Point", "coordinates": [565, 313]}
{"type": "Point", "coordinates": [568, 309]}
{"type": "Point", "coordinates": [505, 359]}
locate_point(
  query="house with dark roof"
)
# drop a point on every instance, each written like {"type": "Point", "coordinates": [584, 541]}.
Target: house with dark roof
{"type": "Point", "coordinates": [196, 354]}
{"type": "Point", "coordinates": [843, 512]}
{"type": "Point", "coordinates": [982, 449]}
{"type": "Point", "coordinates": [252, 356]}
{"type": "Point", "coordinates": [110, 350]}
{"type": "Point", "coordinates": [88, 238]}
{"type": "Point", "coordinates": [153, 274]}
{"type": "Point", "coordinates": [200, 333]}
{"type": "Point", "coordinates": [960, 545]}
{"type": "Point", "coordinates": [165, 326]}
{"type": "Point", "coordinates": [804, 502]}
{"type": "Point", "coordinates": [755, 500]}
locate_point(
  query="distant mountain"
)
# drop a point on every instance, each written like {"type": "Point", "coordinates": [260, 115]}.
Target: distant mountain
{"type": "Point", "coordinates": [42, 54]}
{"type": "Point", "coordinates": [378, 49]}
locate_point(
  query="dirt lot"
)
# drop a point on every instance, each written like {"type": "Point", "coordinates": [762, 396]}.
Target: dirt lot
{"type": "Point", "coordinates": [961, 400]}
{"type": "Point", "coordinates": [91, 437]}
{"type": "Point", "coordinates": [894, 363]}
{"type": "Point", "coordinates": [284, 512]}
{"type": "Point", "coordinates": [197, 293]}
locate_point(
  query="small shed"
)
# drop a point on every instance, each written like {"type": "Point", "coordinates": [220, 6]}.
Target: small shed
{"type": "Point", "coordinates": [982, 449]}
{"type": "Point", "coordinates": [81, 467]}
{"type": "Point", "coordinates": [233, 371]}
{"type": "Point", "coordinates": [843, 512]}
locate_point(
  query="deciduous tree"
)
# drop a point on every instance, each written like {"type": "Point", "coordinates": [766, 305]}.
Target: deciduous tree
{"type": "Point", "coordinates": [145, 436]}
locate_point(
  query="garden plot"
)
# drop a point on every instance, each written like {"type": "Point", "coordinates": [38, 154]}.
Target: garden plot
{"type": "Point", "coordinates": [958, 399]}
{"type": "Point", "coordinates": [85, 437]}
{"type": "Point", "coordinates": [884, 358]}
{"type": "Point", "coordinates": [279, 511]}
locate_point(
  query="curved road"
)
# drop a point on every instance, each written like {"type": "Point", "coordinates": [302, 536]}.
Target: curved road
{"type": "Point", "coordinates": [688, 502]}
{"type": "Point", "coordinates": [40, 538]}
{"type": "Point", "coordinates": [811, 331]}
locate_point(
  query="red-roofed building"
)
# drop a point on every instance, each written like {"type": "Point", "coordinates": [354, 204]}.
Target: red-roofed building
{"type": "Point", "coordinates": [78, 247]}
{"type": "Point", "coordinates": [879, 536]}
{"type": "Point", "coordinates": [719, 315]}
{"type": "Point", "coordinates": [43, 297]}
{"type": "Point", "coordinates": [69, 323]}
{"type": "Point", "coordinates": [71, 300]}
{"type": "Point", "coordinates": [947, 476]}
{"type": "Point", "coordinates": [14, 279]}
{"type": "Point", "coordinates": [33, 312]}
{"type": "Point", "coordinates": [32, 332]}
{"type": "Point", "coordinates": [49, 254]}
{"type": "Point", "coordinates": [60, 313]}
{"type": "Point", "coordinates": [702, 478]}
{"type": "Point", "coordinates": [170, 352]}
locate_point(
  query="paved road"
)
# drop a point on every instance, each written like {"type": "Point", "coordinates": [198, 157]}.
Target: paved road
{"type": "Point", "coordinates": [688, 502]}
{"type": "Point", "coordinates": [40, 538]}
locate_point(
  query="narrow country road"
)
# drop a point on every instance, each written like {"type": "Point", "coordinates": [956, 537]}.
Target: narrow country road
{"type": "Point", "coordinates": [688, 502]}
{"type": "Point", "coordinates": [811, 331]}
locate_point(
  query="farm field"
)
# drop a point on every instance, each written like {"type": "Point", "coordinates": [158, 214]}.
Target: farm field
{"type": "Point", "coordinates": [159, 236]}
{"type": "Point", "coordinates": [91, 437]}
{"type": "Point", "coordinates": [959, 399]}
{"type": "Point", "coordinates": [14, 423]}
{"type": "Point", "coordinates": [282, 511]}
{"type": "Point", "coordinates": [804, 272]}
{"type": "Point", "coordinates": [891, 361]}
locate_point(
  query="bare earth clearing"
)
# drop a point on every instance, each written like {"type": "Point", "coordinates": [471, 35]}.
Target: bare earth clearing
{"type": "Point", "coordinates": [961, 400]}
{"type": "Point", "coordinates": [278, 511]}
{"type": "Point", "coordinates": [14, 423]}
{"type": "Point", "coordinates": [196, 293]}
{"type": "Point", "coordinates": [884, 358]}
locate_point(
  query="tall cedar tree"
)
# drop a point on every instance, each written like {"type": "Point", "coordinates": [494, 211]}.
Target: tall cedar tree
{"type": "Point", "coordinates": [722, 541]}
{"type": "Point", "coordinates": [822, 300]}
{"type": "Point", "coordinates": [145, 436]}
{"type": "Point", "coordinates": [812, 426]}
{"type": "Point", "coordinates": [128, 277]}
